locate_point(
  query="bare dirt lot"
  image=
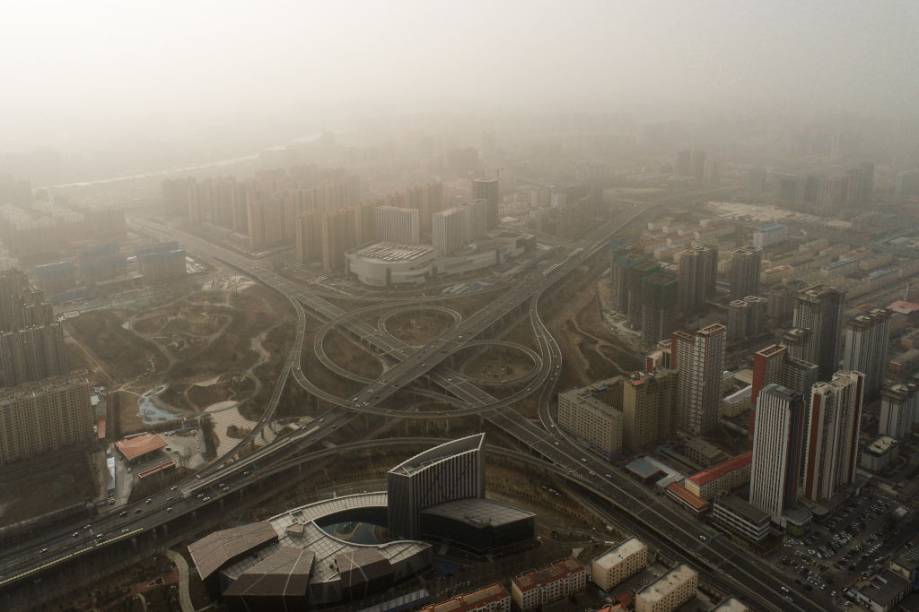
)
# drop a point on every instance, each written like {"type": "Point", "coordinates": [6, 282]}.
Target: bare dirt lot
{"type": "Point", "coordinates": [418, 327]}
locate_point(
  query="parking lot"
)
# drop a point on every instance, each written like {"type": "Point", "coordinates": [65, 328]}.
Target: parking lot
{"type": "Point", "coordinates": [844, 548]}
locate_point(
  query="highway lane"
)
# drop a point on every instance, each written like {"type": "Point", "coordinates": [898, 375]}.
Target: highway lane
{"type": "Point", "coordinates": [284, 286]}
{"type": "Point", "coordinates": [57, 544]}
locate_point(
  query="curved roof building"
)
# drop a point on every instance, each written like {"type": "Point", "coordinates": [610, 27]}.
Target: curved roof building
{"type": "Point", "coordinates": [448, 472]}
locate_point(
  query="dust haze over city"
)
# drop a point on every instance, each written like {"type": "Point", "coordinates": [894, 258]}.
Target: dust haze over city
{"type": "Point", "coordinates": [459, 306]}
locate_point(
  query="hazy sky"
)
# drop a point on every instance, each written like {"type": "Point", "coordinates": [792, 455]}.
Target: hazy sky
{"type": "Point", "coordinates": [76, 69]}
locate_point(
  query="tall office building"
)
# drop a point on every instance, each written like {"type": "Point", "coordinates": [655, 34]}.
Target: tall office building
{"type": "Point", "coordinates": [819, 310]}
{"type": "Point", "coordinates": [658, 306]}
{"type": "Point", "coordinates": [399, 225]}
{"type": "Point", "coordinates": [866, 339]}
{"type": "Point", "coordinates": [834, 421]}
{"type": "Point", "coordinates": [697, 271]}
{"type": "Point", "coordinates": [648, 408]}
{"type": "Point", "coordinates": [899, 404]}
{"type": "Point", "coordinates": [745, 271]}
{"type": "Point", "coordinates": [778, 447]}
{"type": "Point", "coordinates": [451, 471]}
{"type": "Point", "coordinates": [45, 416]}
{"type": "Point", "coordinates": [490, 191]}
{"type": "Point", "coordinates": [448, 233]}
{"type": "Point", "coordinates": [699, 360]}
{"type": "Point", "coordinates": [859, 185]}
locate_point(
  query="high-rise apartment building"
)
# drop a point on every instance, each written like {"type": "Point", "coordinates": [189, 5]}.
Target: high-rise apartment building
{"type": "Point", "coordinates": [44, 416]}
{"type": "Point", "coordinates": [699, 360]}
{"type": "Point", "coordinates": [658, 306]}
{"type": "Point", "coordinates": [648, 408]}
{"type": "Point", "coordinates": [21, 305]}
{"type": "Point", "coordinates": [746, 263]}
{"type": "Point", "coordinates": [398, 225]}
{"type": "Point", "coordinates": [490, 191]}
{"type": "Point", "coordinates": [339, 234]}
{"type": "Point", "coordinates": [308, 242]}
{"type": "Point", "coordinates": [476, 219]}
{"type": "Point", "coordinates": [448, 233]}
{"type": "Point", "coordinates": [899, 405]}
{"type": "Point", "coordinates": [627, 272]}
{"type": "Point", "coordinates": [778, 448]}
{"type": "Point", "coordinates": [865, 349]}
{"type": "Point", "coordinates": [747, 318]}
{"type": "Point", "coordinates": [31, 354]}
{"type": "Point", "coordinates": [697, 271]}
{"type": "Point", "coordinates": [774, 364]}
{"type": "Point", "coordinates": [834, 421]}
{"type": "Point", "coordinates": [819, 310]}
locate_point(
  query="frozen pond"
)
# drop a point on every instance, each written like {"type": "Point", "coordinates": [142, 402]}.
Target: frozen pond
{"type": "Point", "coordinates": [150, 412]}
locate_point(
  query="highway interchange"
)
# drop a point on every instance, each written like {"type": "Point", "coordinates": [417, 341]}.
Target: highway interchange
{"type": "Point", "coordinates": [670, 528]}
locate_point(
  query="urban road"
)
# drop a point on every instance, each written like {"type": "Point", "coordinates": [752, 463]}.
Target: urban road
{"type": "Point", "coordinates": [675, 530]}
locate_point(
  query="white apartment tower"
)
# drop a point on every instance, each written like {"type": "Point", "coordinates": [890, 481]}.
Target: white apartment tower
{"type": "Point", "coordinates": [778, 445]}
{"type": "Point", "coordinates": [831, 451]}
{"type": "Point", "coordinates": [699, 363]}
{"type": "Point", "coordinates": [399, 225]}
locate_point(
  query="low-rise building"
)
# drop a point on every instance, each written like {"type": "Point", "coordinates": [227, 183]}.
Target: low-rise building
{"type": "Point", "coordinates": [737, 515]}
{"type": "Point", "coordinates": [879, 454]}
{"type": "Point", "coordinates": [682, 496]}
{"type": "Point", "coordinates": [624, 561]}
{"type": "Point", "coordinates": [721, 478]}
{"type": "Point", "coordinates": [539, 587]}
{"type": "Point", "coordinates": [669, 592]}
{"type": "Point", "coordinates": [493, 598]}
{"type": "Point", "coordinates": [388, 263]}
{"type": "Point", "coordinates": [593, 414]}
{"type": "Point", "coordinates": [883, 592]}
{"type": "Point", "coordinates": [731, 604]}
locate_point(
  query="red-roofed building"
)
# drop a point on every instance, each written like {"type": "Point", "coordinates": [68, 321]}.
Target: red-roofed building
{"type": "Point", "coordinates": [721, 478]}
{"type": "Point", "coordinates": [903, 307]}
{"type": "Point", "coordinates": [493, 598]}
{"type": "Point", "coordinates": [686, 499]}
{"type": "Point", "coordinates": [534, 589]}
{"type": "Point", "coordinates": [135, 447]}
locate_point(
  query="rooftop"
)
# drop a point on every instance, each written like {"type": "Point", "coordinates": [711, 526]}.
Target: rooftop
{"type": "Point", "coordinates": [735, 463]}
{"type": "Point", "coordinates": [682, 493]}
{"type": "Point", "coordinates": [439, 453]}
{"type": "Point", "coordinates": [742, 509]}
{"type": "Point", "coordinates": [547, 575]}
{"type": "Point", "coordinates": [479, 512]}
{"type": "Point", "coordinates": [286, 572]}
{"type": "Point", "coordinates": [137, 446]}
{"type": "Point", "coordinates": [470, 601]}
{"type": "Point", "coordinates": [667, 583]}
{"type": "Point", "coordinates": [392, 252]}
{"type": "Point", "coordinates": [620, 553]}
{"type": "Point", "coordinates": [882, 445]}
{"type": "Point", "coordinates": [217, 548]}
